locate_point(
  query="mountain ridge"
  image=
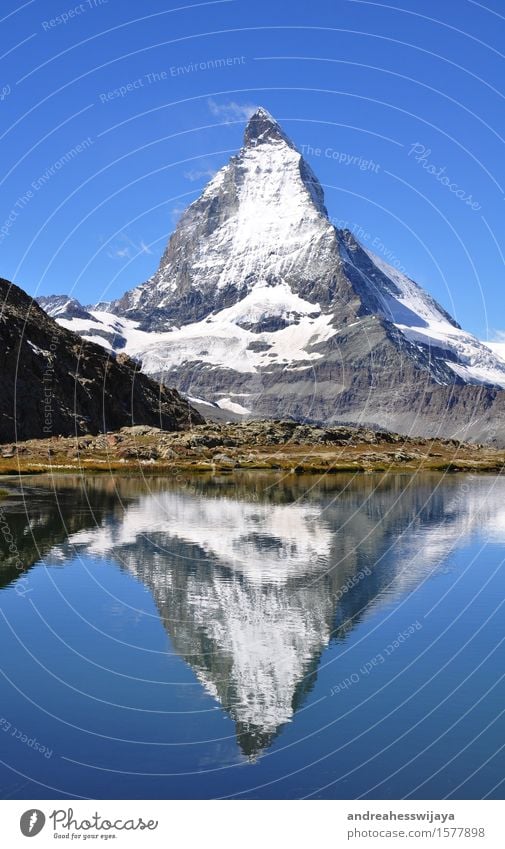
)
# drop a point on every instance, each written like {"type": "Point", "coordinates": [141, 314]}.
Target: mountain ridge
{"type": "Point", "coordinates": [53, 382]}
{"type": "Point", "coordinates": [262, 306]}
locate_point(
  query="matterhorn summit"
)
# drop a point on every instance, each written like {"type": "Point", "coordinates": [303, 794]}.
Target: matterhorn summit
{"type": "Point", "coordinates": [260, 223]}
{"type": "Point", "coordinates": [260, 307]}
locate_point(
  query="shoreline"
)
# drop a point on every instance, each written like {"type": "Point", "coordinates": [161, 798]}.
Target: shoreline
{"type": "Point", "coordinates": [270, 446]}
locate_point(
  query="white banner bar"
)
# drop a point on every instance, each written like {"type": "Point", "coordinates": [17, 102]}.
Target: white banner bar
{"type": "Point", "coordinates": [253, 824]}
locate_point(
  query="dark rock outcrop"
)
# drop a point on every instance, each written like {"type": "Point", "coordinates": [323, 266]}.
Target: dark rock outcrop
{"type": "Point", "coordinates": [53, 382]}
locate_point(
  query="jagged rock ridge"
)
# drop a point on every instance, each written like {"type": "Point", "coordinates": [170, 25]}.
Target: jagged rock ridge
{"type": "Point", "coordinates": [52, 382]}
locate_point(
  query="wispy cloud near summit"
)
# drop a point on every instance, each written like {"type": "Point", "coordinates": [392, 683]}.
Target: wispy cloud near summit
{"type": "Point", "coordinates": [195, 174]}
{"type": "Point", "coordinates": [231, 111]}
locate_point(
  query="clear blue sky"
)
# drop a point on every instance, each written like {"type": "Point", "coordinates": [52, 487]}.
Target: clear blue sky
{"type": "Point", "coordinates": [93, 182]}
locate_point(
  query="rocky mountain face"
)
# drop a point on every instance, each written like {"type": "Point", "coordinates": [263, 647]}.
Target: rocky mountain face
{"type": "Point", "coordinates": [261, 306]}
{"type": "Point", "coordinates": [63, 307]}
{"type": "Point", "coordinates": [53, 382]}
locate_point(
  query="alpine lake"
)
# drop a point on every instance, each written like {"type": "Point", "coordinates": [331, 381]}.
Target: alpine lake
{"type": "Point", "coordinates": [252, 635]}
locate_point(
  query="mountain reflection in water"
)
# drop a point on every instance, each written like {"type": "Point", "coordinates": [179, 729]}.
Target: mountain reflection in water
{"type": "Point", "coordinates": [254, 577]}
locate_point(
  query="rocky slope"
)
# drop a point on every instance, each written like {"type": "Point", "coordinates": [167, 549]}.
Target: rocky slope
{"type": "Point", "coordinates": [262, 306]}
{"type": "Point", "coordinates": [53, 382]}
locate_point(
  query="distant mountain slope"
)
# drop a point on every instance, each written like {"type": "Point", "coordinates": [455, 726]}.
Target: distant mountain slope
{"type": "Point", "coordinates": [53, 382]}
{"type": "Point", "coordinates": [261, 304]}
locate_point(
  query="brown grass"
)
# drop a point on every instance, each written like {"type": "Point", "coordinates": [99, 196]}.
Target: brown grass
{"type": "Point", "coordinates": [119, 456]}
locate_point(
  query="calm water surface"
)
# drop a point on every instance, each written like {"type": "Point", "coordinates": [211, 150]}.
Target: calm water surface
{"type": "Point", "coordinates": [253, 637]}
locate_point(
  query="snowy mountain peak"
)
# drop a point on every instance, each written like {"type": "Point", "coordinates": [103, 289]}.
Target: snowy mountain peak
{"type": "Point", "coordinates": [260, 303]}
{"type": "Point", "coordinates": [262, 127]}
{"type": "Point", "coordinates": [260, 222]}
{"type": "Point", "coordinates": [63, 307]}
